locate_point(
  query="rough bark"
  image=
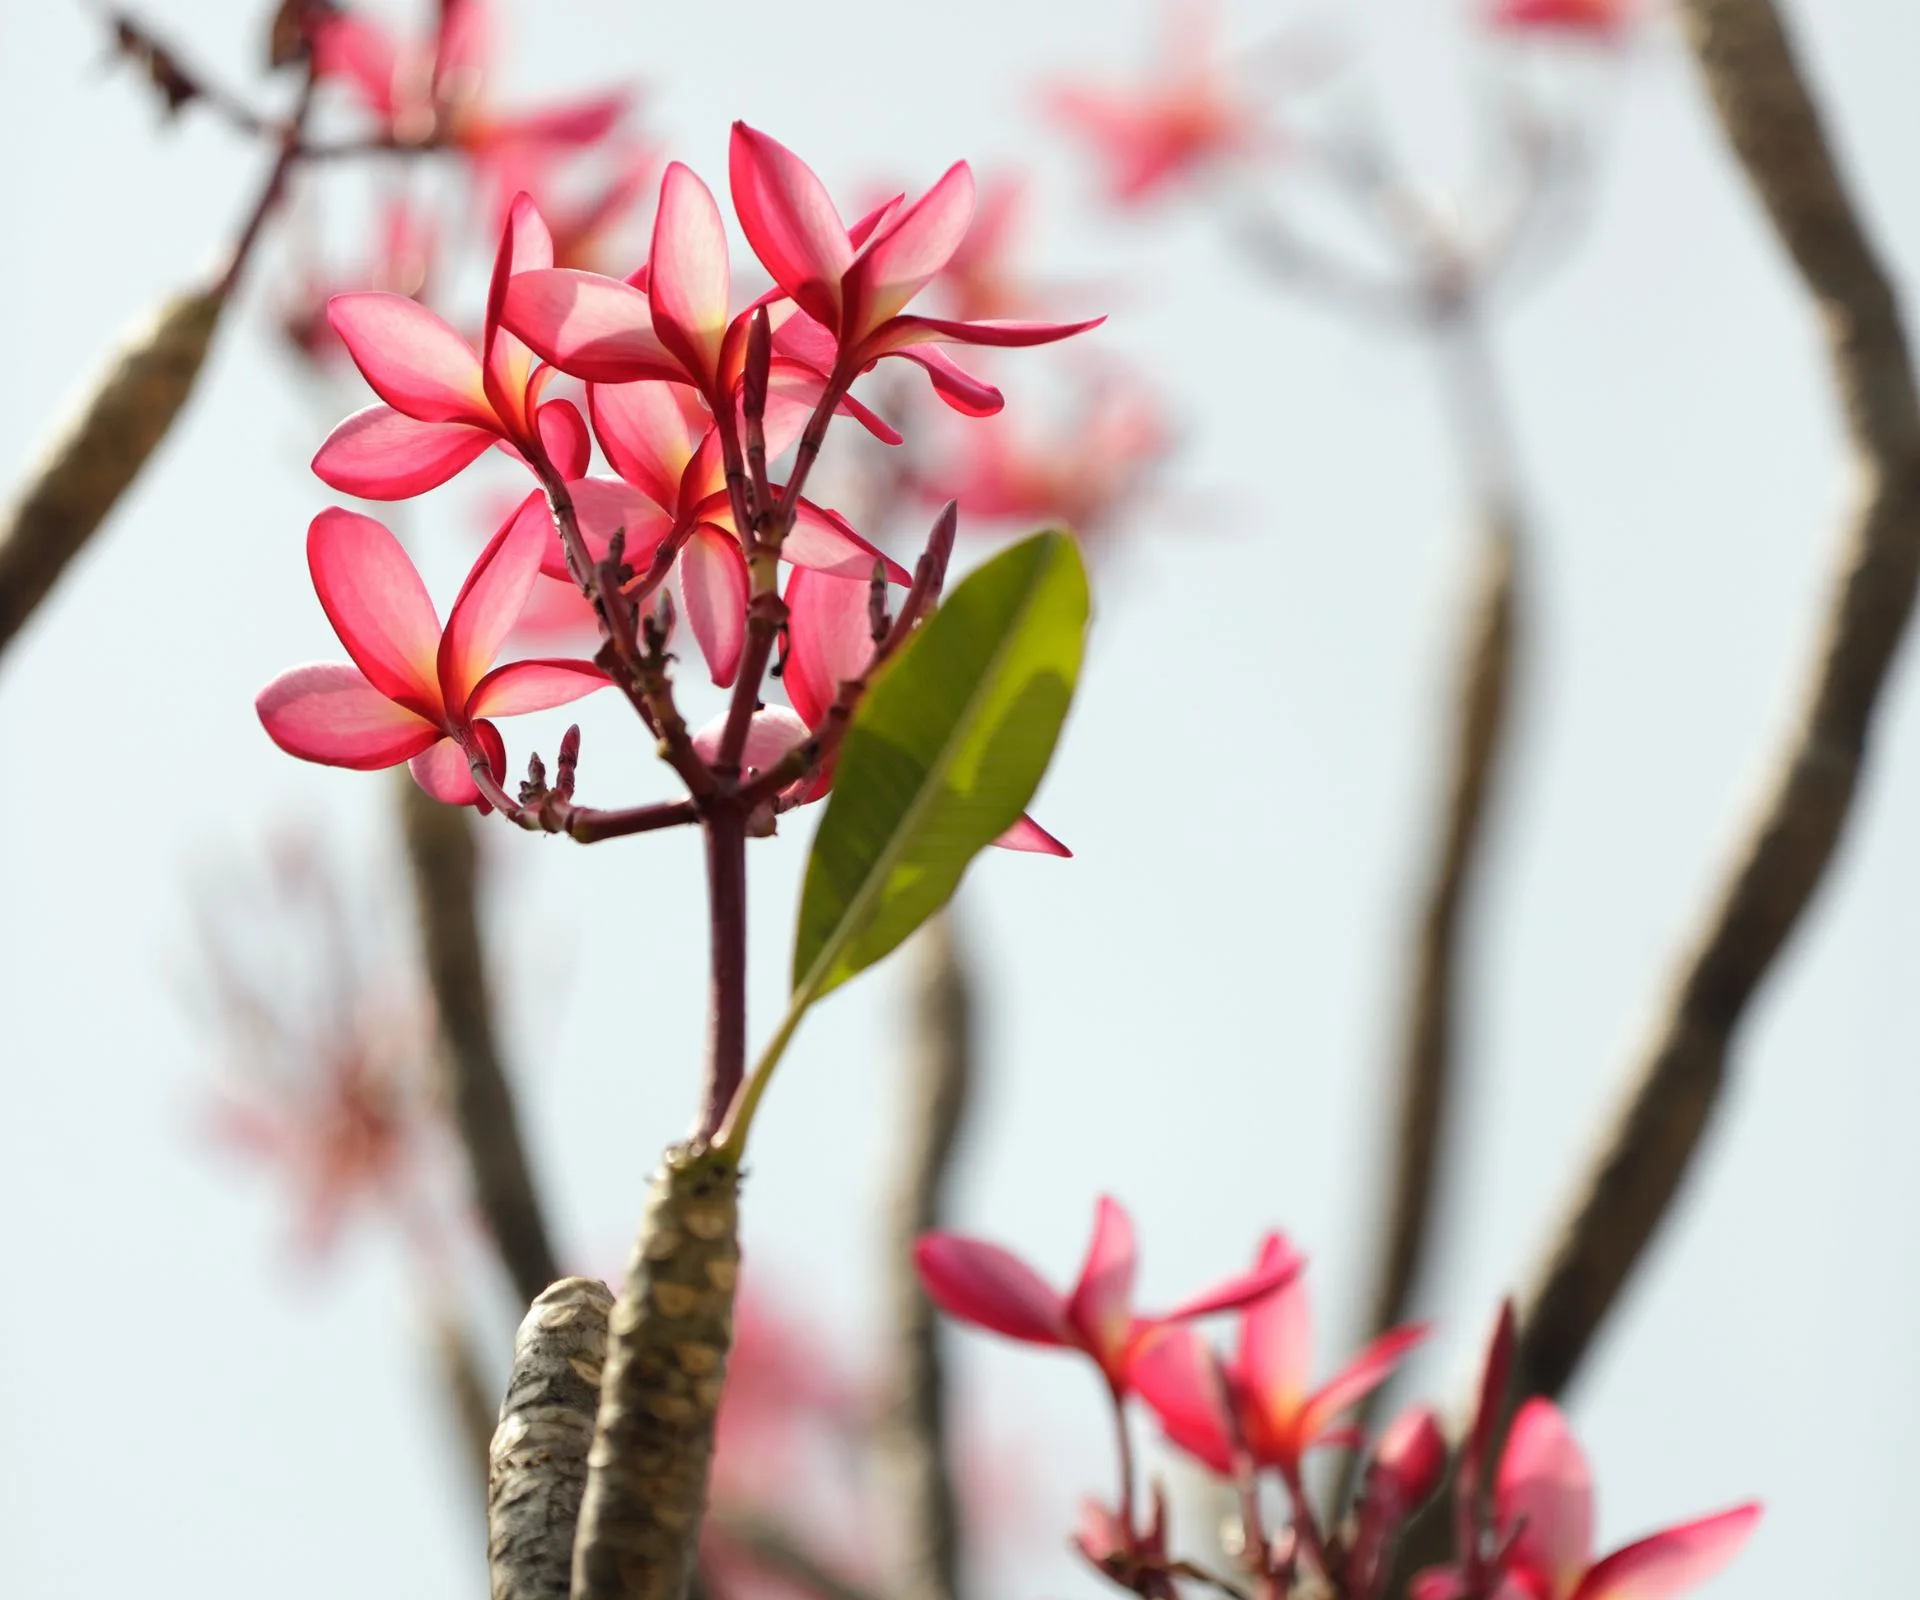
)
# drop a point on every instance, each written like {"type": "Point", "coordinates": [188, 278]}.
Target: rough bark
{"type": "Point", "coordinates": [538, 1460]}
{"type": "Point", "coordinates": [440, 848]}
{"type": "Point", "coordinates": [666, 1361]}
{"type": "Point", "coordinates": [99, 451]}
{"type": "Point", "coordinates": [914, 1436]}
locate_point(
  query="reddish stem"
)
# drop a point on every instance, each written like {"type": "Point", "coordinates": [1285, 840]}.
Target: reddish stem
{"type": "Point", "coordinates": [726, 831]}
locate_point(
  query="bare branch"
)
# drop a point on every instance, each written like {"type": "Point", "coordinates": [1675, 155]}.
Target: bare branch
{"type": "Point", "coordinates": [538, 1457]}
{"type": "Point", "coordinates": [1775, 130]}
{"type": "Point", "coordinates": [440, 847]}
{"type": "Point", "coordinates": [914, 1435]}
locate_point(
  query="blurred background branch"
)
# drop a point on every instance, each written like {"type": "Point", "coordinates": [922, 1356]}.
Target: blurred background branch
{"type": "Point", "coordinates": [441, 850]}
{"type": "Point", "coordinates": [916, 1456]}
{"type": "Point", "coordinates": [1775, 129]}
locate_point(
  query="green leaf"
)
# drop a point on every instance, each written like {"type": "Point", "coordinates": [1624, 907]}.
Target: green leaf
{"type": "Point", "coordinates": [948, 745]}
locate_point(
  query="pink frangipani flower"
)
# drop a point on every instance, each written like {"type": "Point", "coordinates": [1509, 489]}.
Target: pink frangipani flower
{"type": "Point", "coordinates": [1595, 19]}
{"type": "Point", "coordinates": [836, 311]}
{"type": "Point", "coordinates": [445, 404]}
{"type": "Point", "coordinates": [415, 692]}
{"type": "Point", "coordinates": [1543, 1502]}
{"type": "Point", "coordinates": [1276, 1413]}
{"type": "Point", "coordinates": [831, 643]}
{"type": "Point", "coordinates": [992, 1288]}
{"type": "Point", "coordinates": [858, 291]}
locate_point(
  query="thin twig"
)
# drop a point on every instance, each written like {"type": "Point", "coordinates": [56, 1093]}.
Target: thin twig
{"type": "Point", "coordinates": [440, 848]}
{"type": "Point", "coordinates": [914, 1440]}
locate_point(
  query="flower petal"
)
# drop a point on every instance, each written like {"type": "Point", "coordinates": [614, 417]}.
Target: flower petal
{"type": "Point", "coordinates": [1357, 1379]}
{"type": "Point", "coordinates": [1544, 1478]}
{"type": "Point", "coordinates": [445, 773]}
{"type": "Point", "coordinates": [902, 331]}
{"type": "Point", "coordinates": [604, 505]}
{"type": "Point", "coordinates": [771, 732]}
{"type": "Point", "coordinates": [914, 246]}
{"type": "Point", "coordinates": [1101, 1306]}
{"type": "Point", "coordinates": [1277, 1268]}
{"type": "Point", "coordinates": [569, 125]}
{"type": "Point", "coordinates": [1027, 835]}
{"type": "Point", "coordinates": [831, 639]}
{"type": "Point", "coordinates": [647, 433]}
{"type": "Point", "coordinates": [713, 580]}
{"type": "Point", "coordinates": [1175, 1372]}
{"type": "Point", "coordinates": [1276, 1344]}
{"type": "Point", "coordinates": [378, 606]}
{"type": "Point", "coordinates": [593, 327]}
{"type": "Point", "coordinates": [412, 359]}
{"type": "Point", "coordinates": [790, 221]}
{"type": "Point", "coordinates": [992, 1288]}
{"type": "Point", "coordinates": [688, 279]}
{"type": "Point", "coordinates": [383, 454]}
{"type": "Point", "coordinates": [563, 435]}
{"type": "Point", "coordinates": [525, 246]}
{"type": "Point", "coordinates": [490, 603]}
{"type": "Point", "coordinates": [825, 541]}
{"type": "Point", "coordinates": [966, 394]}
{"type": "Point", "coordinates": [331, 714]}
{"type": "Point", "coordinates": [538, 685]}
{"type": "Point", "coordinates": [350, 48]}
{"type": "Point", "coordinates": [1671, 1562]}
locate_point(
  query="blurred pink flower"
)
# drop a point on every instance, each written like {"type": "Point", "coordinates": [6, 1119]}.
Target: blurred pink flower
{"type": "Point", "coordinates": [1189, 114]}
{"type": "Point", "coordinates": [1084, 476]}
{"type": "Point", "coordinates": [1543, 1502]}
{"type": "Point", "coordinates": [431, 89]}
{"type": "Point", "coordinates": [400, 265]}
{"type": "Point", "coordinates": [1604, 19]}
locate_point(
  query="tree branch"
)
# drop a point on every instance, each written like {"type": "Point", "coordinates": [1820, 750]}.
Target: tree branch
{"type": "Point", "coordinates": [538, 1458]}
{"type": "Point", "coordinates": [440, 847]}
{"type": "Point", "coordinates": [914, 1432]}
{"type": "Point", "coordinates": [1771, 121]}
{"type": "Point", "coordinates": [666, 1361]}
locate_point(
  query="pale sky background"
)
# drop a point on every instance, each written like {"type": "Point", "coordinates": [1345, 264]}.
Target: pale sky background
{"type": "Point", "coordinates": [1193, 1015]}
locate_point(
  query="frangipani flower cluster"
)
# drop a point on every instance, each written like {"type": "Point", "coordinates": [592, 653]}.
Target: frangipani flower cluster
{"type": "Point", "coordinates": [687, 416]}
{"type": "Point", "coordinates": [1260, 1411]}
